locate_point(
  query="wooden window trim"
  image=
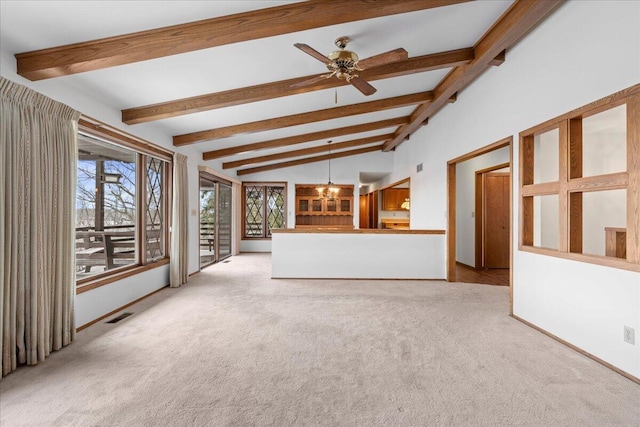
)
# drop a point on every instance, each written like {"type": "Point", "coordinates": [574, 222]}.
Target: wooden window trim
{"type": "Point", "coordinates": [116, 136]}
{"type": "Point", "coordinates": [142, 148]}
{"type": "Point", "coordinates": [571, 185]}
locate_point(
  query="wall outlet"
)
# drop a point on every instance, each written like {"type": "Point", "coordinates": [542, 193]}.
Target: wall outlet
{"type": "Point", "coordinates": [629, 335]}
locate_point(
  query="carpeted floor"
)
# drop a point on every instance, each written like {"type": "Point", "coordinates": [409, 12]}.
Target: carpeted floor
{"type": "Point", "coordinates": [234, 347]}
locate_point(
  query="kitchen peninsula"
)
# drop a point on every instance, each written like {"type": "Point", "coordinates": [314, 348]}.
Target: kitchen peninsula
{"type": "Point", "coordinates": [338, 253]}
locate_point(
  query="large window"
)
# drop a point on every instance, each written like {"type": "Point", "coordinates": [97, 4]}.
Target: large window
{"type": "Point", "coordinates": [264, 209]}
{"type": "Point", "coordinates": [580, 183]}
{"type": "Point", "coordinates": [121, 207]}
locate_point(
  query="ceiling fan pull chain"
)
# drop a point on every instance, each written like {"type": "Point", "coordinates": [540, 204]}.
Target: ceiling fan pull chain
{"type": "Point", "coordinates": [336, 97]}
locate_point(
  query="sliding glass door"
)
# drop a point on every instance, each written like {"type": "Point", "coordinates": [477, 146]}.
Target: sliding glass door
{"type": "Point", "coordinates": [224, 221]}
{"type": "Point", "coordinates": [215, 220]}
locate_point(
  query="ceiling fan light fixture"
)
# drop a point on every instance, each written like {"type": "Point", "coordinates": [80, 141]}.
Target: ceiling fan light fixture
{"type": "Point", "coordinates": [341, 42]}
{"type": "Point", "coordinates": [343, 64]}
{"type": "Point", "coordinates": [343, 59]}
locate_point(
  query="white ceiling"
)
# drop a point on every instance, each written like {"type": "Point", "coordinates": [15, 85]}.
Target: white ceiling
{"type": "Point", "coordinates": [33, 25]}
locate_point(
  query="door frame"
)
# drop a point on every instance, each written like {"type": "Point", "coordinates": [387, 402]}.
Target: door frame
{"type": "Point", "coordinates": [451, 209]}
{"type": "Point", "coordinates": [479, 209]}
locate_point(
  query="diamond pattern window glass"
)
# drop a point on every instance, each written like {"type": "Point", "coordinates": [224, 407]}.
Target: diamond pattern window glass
{"type": "Point", "coordinates": [276, 197]}
{"type": "Point", "coordinates": [155, 209]}
{"type": "Point", "coordinates": [254, 211]}
{"type": "Point", "coordinates": [264, 209]}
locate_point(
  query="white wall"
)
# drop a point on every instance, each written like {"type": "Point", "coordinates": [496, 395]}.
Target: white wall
{"type": "Point", "coordinates": [100, 301]}
{"type": "Point", "coordinates": [466, 202]}
{"type": "Point", "coordinates": [344, 171]}
{"type": "Point", "coordinates": [583, 52]}
{"type": "Point", "coordinates": [394, 214]}
{"type": "Point", "coordinates": [358, 256]}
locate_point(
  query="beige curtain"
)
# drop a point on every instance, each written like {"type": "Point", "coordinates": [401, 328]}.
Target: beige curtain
{"type": "Point", "coordinates": [179, 223]}
{"type": "Point", "coordinates": [38, 161]}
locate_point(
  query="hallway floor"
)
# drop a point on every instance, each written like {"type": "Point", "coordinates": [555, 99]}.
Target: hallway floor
{"type": "Point", "coordinates": [494, 276]}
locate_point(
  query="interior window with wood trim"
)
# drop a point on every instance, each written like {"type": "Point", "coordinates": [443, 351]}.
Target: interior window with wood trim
{"type": "Point", "coordinates": [122, 210]}
{"type": "Point", "coordinates": [264, 208]}
{"type": "Point", "coordinates": [580, 183]}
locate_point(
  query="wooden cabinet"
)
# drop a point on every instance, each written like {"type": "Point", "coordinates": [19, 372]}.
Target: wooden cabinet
{"type": "Point", "coordinates": [314, 211]}
{"type": "Point", "coordinates": [306, 205]}
{"type": "Point", "coordinates": [392, 198]}
{"type": "Point", "coordinates": [395, 224]}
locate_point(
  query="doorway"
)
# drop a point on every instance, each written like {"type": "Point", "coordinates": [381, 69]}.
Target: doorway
{"type": "Point", "coordinates": [492, 232]}
{"type": "Point", "coordinates": [475, 266]}
{"type": "Point", "coordinates": [215, 219]}
{"type": "Point", "coordinates": [369, 210]}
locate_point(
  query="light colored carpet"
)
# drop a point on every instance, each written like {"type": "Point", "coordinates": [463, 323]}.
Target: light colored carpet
{"type": "Point", "coordinates": [234, 347]}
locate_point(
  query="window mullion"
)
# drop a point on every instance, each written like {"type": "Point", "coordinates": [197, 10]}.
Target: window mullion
{"type": "Point", "coordinates": [563, 191]}
{"type": "Point", "coordinates": [540, 189]}
{"type": "Point", "coordinates": [141, 210]}
{"type": "Point", "coordinates": [612, 181]}
{"type": "Point", "coordinates": [265, 203]}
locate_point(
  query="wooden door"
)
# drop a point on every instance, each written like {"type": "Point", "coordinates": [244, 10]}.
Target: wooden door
{"type": "Point", "coordinates": [364, 211]}
{"type": "Point", "coordinates": [373, 209]}
{"type": "Point", "coordinates": [496, 220]}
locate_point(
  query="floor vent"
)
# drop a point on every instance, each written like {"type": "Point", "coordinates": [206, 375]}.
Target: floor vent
{"type": "Point", "coordinates": [224, 262]}
{"type": "Point", "coordinates": [119, 318]}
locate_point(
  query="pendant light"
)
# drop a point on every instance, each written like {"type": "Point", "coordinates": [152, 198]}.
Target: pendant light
{"type": "Point", "coordinates": [330, 192]}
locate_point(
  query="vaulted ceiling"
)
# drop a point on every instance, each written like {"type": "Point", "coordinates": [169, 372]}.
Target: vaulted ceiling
{"type": "Point", "coordinates": [224, 77]}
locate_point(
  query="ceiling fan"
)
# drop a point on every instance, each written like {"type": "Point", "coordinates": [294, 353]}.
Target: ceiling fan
{"type": "Point", "coordinates": [343, 64]}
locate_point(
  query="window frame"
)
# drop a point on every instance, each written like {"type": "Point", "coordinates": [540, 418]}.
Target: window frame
{"type": "Point", "coordinates": [571, 184]}
{"type": "Point", "coordinates": [264, 185]}
{"type": "Point", "coordinates": [143, 149]}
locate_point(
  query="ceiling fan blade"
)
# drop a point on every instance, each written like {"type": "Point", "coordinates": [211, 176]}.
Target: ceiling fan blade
{"type": "Point", "coordinates": [383, 58]}
{"type": "Point", "coordinates": [311, 51]}
{"type": "Point", "coordinates": [311, 80]}
{"type": "Point", "coordinates": [363, 86]}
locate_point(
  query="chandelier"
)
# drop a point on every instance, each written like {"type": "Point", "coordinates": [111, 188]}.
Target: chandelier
{"type": "Point", "coordinates": [330, 192]}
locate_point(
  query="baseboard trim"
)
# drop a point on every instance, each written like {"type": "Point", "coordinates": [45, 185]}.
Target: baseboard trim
{"type": "Point", "coordinates": [111, 313]}
{"type": "Point", "coordinates": [579, 350]}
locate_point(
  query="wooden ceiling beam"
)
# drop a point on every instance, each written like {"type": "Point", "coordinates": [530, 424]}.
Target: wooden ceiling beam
{"type": "Point", "coordinates": [303, 118]}
{"type": "Point", "coordinates": [307, 151]}
{"type": "Point", "coordinates": [522, 17]}
{"type": "Point", "coordinates": [309, 160]}
{"type": "Point", "coordinates": [229, 98]}
{"type": "Point", "coordinates": [298, 139]}
{"type": "Point", "coordinates": [176, 39]}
